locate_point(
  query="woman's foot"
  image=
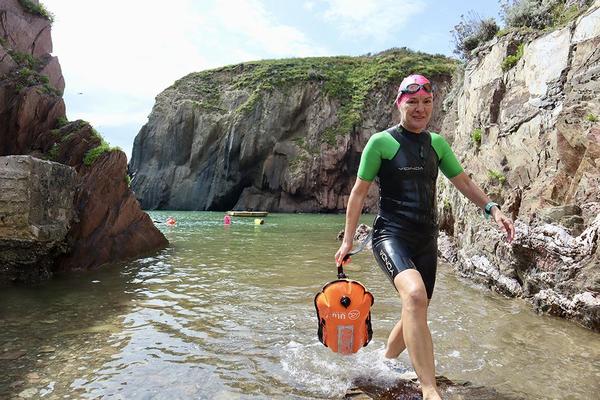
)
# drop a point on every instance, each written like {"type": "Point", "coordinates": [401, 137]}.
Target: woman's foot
{"type": "Point", "coordinates": [431, 394]}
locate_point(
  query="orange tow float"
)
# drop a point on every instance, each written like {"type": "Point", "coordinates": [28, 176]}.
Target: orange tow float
{"type": "Point", "coordinates": [344, 312]}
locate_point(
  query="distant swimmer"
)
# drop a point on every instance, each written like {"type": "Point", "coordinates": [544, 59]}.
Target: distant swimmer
{"type": "Point", "coordinates": [259, 221]}
{"type": "Point", "coordinates": [171, 221]}
{"type": "Point", "coordinates": [226, 220]}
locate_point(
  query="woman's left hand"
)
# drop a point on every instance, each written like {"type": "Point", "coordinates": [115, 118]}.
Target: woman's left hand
{"type": "Point", "coordinates": [504, 223]}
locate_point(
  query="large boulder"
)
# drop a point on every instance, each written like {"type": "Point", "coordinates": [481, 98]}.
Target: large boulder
{"type": "Point", "coordinates": [36, 212]}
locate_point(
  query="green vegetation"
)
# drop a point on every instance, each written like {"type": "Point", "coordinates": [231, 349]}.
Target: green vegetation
{"type": "Point", "coordinates": [37, 9]}
{"type": "Point", "coordinates": [541, 14]}
{"type": "Point", "coordinates": [93, 154]}
{"type": "Point", "coordinates": [511, 60]}
{"type": "Point", "coordinates": [471, 32]}
{"type": "Point", "coordinates": [503, 32]}
{"type": "Point", "coordinates": [61, 121]}
{"type": "Point", "coordinates": [447, 205]}
{"type": "Point", "coordinates": [347, 80]}
{"type": "Point", "coordinates": [53, 152]}
{"type": "Point", "coordinates": [128, 180]}
{"type": "Point", "coordinates": [476, 136]}
{"type": "Point", "coordinates": [27, 75]}
{"type": "Point", "coordinates": [562, 15]}
{"type": "Point", "coordinates": [496, 176]}
{"type": "Point", "coordinates": [591, 117]}
{"type": "Point", "coordinates": [24, 59]}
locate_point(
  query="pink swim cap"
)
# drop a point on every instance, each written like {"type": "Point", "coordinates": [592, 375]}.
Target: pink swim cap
{"type": "Point", "coordinates": [412, 79]}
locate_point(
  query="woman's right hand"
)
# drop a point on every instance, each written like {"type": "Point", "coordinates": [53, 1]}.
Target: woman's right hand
{"type": "Point", "coordinates": [341, 253]}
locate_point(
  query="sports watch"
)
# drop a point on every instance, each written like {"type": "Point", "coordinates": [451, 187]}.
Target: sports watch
{"type": "Point", "coordinates": [488, 209]}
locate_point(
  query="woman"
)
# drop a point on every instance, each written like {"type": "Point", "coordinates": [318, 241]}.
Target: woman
{"type": "Point", "coordinates": [406, 159]}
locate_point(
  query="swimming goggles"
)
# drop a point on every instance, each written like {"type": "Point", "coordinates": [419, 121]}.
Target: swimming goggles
{"type": "Point", "coordinates": [415, 87]}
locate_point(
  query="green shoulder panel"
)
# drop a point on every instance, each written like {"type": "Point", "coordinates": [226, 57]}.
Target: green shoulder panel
{"type": "Point", "coordinates": [449, 164]}
{"type": "Point", "coordinates": [380, 146]}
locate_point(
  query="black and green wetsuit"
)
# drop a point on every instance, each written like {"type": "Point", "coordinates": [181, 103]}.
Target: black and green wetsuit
{"type": "Point", "coordinates": [405, 230]}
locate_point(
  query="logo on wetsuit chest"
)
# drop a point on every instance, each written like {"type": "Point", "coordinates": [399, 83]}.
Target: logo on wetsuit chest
{"type": "Point", "coordinates": [410, 168]}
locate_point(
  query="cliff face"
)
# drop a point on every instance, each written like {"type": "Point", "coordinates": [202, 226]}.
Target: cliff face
{"type": "Point", "coordinates": [538, 157]}
{"type": "Point", "coordinates": [32, 122]}
{"type": "Point", "coordinates": [280, 135]}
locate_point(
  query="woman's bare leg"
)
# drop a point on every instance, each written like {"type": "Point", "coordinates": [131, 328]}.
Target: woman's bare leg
{"type": "Point", "coordinates": [415, 330]}
{"type": "Point", "coordinates": [395, 343]}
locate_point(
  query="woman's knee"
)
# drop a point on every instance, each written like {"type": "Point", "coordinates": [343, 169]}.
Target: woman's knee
{"type": "Point", "coordinates": [414, 299]}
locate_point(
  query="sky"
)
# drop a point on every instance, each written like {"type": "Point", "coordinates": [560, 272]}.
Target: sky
{"type": "Point", "coordinates": [117, 56]}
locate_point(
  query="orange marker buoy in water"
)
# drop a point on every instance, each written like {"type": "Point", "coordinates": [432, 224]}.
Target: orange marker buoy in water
{"type": "Point", "coordinates": [171, 221]}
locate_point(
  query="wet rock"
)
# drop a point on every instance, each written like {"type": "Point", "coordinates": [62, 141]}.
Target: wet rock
{"type": "Point", "coordinates": [408, 389]}
{"type": "Point", "coordinates": [28, 393]}
{"type": "Point", "coordinates": [110, 220]}
{"type": "Point", "coordinates": [12, 355]}
{"type": "Point", "coordinates": [557, 272]}
{"type": "Point", "coordinates": [569, 216]}
{"type": "Point", "coordinates": [362, 231]}
{"type": "Point", "coordinates": [33, 377]}
{"type": "Point", "coordinates": [47, 349]}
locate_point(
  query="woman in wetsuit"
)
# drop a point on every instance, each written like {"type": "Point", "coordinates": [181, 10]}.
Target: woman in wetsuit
{"type": "Point", "coordinates": [406, 159]}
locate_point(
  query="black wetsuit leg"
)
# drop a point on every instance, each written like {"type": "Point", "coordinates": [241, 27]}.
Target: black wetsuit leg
{"type": "Point", "coordinates": [397, 248]}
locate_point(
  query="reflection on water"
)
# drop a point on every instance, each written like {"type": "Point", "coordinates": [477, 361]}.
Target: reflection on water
{"type": "Point", "coordinates": [227, 313]}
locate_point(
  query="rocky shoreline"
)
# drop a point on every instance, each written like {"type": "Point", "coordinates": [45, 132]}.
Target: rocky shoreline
{"type": "Point", "coordinates": [49, 223]}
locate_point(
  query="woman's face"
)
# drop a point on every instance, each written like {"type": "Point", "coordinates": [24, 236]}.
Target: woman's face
{"type": "Point", "coordinates": [415, 112]}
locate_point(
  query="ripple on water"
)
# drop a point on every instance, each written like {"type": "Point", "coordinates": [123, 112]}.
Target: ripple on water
{"type": "Point", "coordinates": [229, 313]}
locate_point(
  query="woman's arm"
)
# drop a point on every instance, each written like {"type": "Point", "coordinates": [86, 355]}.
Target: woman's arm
{"type": "Point", "coordinates": [353, 211]}
{"type": "Point", "coordinates": [470, 190]}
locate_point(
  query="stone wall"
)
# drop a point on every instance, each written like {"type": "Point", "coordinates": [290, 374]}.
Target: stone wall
{"type": "Point", "coordinates": [36, 212]}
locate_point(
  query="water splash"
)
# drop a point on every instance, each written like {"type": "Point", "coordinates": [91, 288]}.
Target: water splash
{"type": "Point", "coordinates": [314, 368]}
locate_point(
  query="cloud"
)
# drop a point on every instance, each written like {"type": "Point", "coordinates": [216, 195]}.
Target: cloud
{"type": "Point", "coordinates": [309, 5]}
{"type": "Point", "coordinates": [121, 54]}
{"type": "Point", "coordinates": [256, 28]}
{"type": "Point", "coordinates": [370, 19]}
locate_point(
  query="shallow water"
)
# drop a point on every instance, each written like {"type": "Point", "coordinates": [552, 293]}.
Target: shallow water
{"type": "Point", "coordinates": [227, 313]}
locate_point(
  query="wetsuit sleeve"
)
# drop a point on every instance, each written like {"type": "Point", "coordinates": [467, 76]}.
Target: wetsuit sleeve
{"type": "Point", "coordinates": [449, 164]}
{"type": "Point", "coordinates": [370, 160]}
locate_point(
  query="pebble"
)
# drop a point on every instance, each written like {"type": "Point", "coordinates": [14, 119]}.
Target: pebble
{"type": "Point", "coordinates": [33, 377]}
{"type": "Point", "coordinates": [47, 349]}
{"type": "Point", "coordinates": [28, 393]}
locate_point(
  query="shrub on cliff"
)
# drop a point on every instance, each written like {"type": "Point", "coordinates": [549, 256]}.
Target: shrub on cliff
{"type": "Point", "coordinates": [512, 59]}
{"type": "Point", "coordinates": [37, 9]}
{"type": "Point", "coordinates": [93, 154]}
{"type": "Point", "coordinates": [541, 14]}
{"type": "Point", "coordinates": [471, 32]}
{"type": "Point", "coordinates": [348, 80]}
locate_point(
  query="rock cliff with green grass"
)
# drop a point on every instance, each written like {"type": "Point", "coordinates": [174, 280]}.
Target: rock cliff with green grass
{"type": "Point", "coordinates": [278, 135]}
{"type": "Point", "coordinates": [105, 223]}
{"type": "Point", "coordinates": [523, 121]}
